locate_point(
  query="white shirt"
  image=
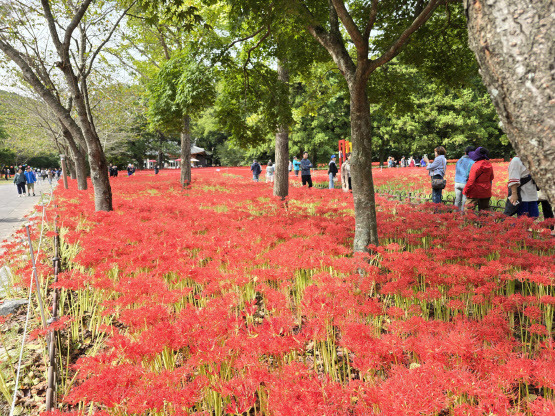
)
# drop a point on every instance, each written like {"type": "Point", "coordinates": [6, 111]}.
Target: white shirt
{"type": "Point", "coordinates": [518, 171]}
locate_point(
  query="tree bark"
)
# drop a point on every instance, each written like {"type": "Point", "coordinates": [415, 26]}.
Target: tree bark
{"type": "Point", "coordinates": [95, 152]}
{"type": "Point", "coordinates": [513, 42]}
{"type": "Point", "coordinates": [281, 179]}
{"type": "Point", "coordinates": [366, 228]}
{"type": "Point", "coordinates": [78, 159]}
{"type": "Point", "coordinates": [160, 152]}
{"type": "Point", "coordinates": [186, 151]}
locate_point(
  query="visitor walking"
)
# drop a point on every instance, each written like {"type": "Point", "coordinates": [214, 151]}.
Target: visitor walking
{"type": "Point", "coordinates": [256, 170]}
{"type": "Point", "coordinates": [43, 174]}
{"type": "Point", "coordinates": [346, 174]}
{"type": "Point", "coordinates": [306, 165]}
{"type": "Point", "coordinates": [436, 170]}
{"type": "Point", "coordinates": [296, 165]}
{"type": "Point", "coordinates": [478, 187]}
{"type": "Point", "coordinates": [523, 193]}
{"type": "Point", "coordinates": [20, 181]}
{"type": "Point", "coordinates": [31, 179]}
{"type": "Point", "coordinates": [156, 170]}
{"type": "Point", "coordinates": [332, 171]}
{"type": "Point", "coordinates": [462, 170]}
{"type": "Point", "coordinates": [270, 168]}
{"type": "Point", "coordinates": [50, 175]}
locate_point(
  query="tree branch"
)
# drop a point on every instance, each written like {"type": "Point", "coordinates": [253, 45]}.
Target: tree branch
{"type": "Point", "coordinates": [332, 41]}
{"type": "Point", "coordinates": [371, 19]}
{"type": "Point", "coordinates": [51, 25]}
{"type": "Point", "coordinates": [268, 31]}
{"type": "Point", "coordinates": [350, 25]}
{"type": "Point", "coordinates": [228, 47]}
{"type": "Point", "coordinates": [74, 21]}
{"type": "Point", "coordinates": [107, 39]}
{"type": "Point", "coordinates": [402, 40]}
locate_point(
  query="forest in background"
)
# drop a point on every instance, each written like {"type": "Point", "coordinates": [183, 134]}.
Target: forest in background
{"type": "Point", "coordinates": [417, 102]}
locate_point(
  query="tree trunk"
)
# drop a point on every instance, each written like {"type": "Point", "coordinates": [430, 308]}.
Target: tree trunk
{"type": "Point", "coordinates": [281, 177]}
{"type": "Point", "coordinates": [186, 151]}
{"type": "Point", "coordinates": [366, 229]}
{"type": "Point", "coordinates": [513, 42]}
{"type": "Point", "coordinates": [382, 152]}
{"type": "Point", "coordinates": [160, 152]}
{"type": "Point", "coordinates": [99, 174]}
{"type": "Point", "coordinates": [97, 158]}
{"type": "Point", "coordinates": [78, 159]}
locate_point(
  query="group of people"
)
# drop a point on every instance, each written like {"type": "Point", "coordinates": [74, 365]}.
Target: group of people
{"type": "Point", "coordinates": [406, 163]}
{"type": "Point", "coordinates": [25, 178]}
{"type": "Point", "coordinates": [304, 167]}
{"type": "Point", "coordinates": [474, 180]}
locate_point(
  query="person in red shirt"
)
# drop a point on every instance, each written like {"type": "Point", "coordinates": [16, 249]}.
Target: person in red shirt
{"type": "Point", "coordinates": [478, 186]}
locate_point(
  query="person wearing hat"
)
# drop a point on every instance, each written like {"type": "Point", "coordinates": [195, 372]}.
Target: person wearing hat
{"type": "Point", "coordinates": [332, 171]}
{"type": "Point", "coordinates": [478, 187]}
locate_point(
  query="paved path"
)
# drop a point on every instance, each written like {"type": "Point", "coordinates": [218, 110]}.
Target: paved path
{"type": "Point", "coordinates": [13, 209]}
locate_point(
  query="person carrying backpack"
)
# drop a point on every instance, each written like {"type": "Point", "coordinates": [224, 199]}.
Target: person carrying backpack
{"type": "Point", "coordinates": [256, 170]}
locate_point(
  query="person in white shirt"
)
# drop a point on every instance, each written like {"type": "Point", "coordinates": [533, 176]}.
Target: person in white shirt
{"type": "Point", "coordinates": [520, 182]}
{"type": "Point", "coordinates": [270, 169]}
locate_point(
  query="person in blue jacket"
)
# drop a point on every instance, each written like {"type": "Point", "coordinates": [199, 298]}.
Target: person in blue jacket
{"type": "Point", "coordinates": [31, 179]}
{"type": "Point", "coordinates": [296, 166]}
{"type": "Point", "coordinates": [256, 170]}
{"type": "Point", "coordinates": [462, 170]}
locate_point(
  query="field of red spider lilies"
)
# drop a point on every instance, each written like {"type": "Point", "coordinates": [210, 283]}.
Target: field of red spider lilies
{"type": "Point", "coordinates": [222, 300]}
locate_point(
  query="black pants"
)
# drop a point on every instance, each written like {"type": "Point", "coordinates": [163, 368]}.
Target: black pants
{"type": "Point", "coordinates": [547, 210]}
{"type": "Point", "coordinates": [307, 179]}
{"type": "Point", "coordinates": [21, 188]}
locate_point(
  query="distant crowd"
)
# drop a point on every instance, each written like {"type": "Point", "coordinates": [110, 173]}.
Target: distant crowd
{"type": "Point", "coordinates": [473, 179]}
{"type": "Point", "coordinates": [410, 162]}
{"type": "Point", "coordinates": [25, 177]}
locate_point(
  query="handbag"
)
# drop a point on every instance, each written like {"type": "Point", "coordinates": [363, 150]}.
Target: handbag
{"type": "Point", "coordinates": [510, 208]}
{"type": "Point", "coordinates": [440, 183]}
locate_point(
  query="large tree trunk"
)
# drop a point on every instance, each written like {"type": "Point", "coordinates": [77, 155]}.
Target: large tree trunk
{"type": "Point", "coordinates": [281, 179]}
{"type": "Point", "coordinates": [513, 41]}
{"type": "Point", "coordinates": [366, 229]}
{"type": "Point", "coordinates": [186, 151]}
{"type": "Point", "coordinates": [78, 159]}
{"type": "Point", "coordinates": [95, 152]}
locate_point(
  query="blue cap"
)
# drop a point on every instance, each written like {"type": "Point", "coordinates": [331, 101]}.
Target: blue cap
{"type": "Point", "coordinates": [333, 156]}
